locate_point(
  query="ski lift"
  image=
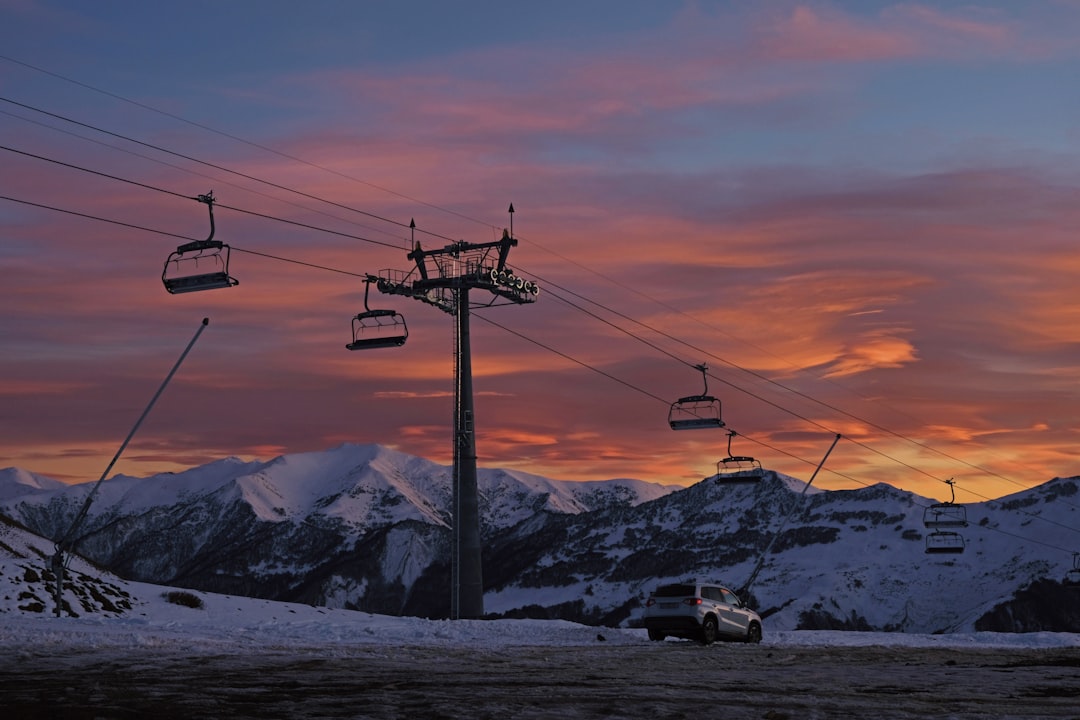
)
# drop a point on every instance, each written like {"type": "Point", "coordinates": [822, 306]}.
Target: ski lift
{"type": "Point", "coordinates": [945, 542]}
{"type": "Point", "coordinates": [377, 328]}
{"type": "Point", "coordinates": [1072, 577]}
{"type": "Point", "coordinates": [696, 412]}
{"type": "Point", "coordinates": [201, 264]}
{"type": "Point", "coordinates": [738, 469]}
{"type": "Point", "coordinates": [945, 515]}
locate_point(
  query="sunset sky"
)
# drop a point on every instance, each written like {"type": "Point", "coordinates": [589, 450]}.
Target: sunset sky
{"type": "Point", "coordinates": [864, 217]}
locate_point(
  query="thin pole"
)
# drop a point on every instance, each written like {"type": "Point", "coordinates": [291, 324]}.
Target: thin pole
{"type": "Point", "coordinates": [764, 553]}
{"type": "Point", "coordinates": [67, 543]}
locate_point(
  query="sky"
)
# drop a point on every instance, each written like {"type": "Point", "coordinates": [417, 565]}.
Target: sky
{"type": "Point", "coordinates": [859, 215]}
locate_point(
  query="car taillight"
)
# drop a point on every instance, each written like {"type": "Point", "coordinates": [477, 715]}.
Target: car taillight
{"type": "Point", "coordinates": [650, 602]}
{"type": "Point", "coordinates": [692, 601]}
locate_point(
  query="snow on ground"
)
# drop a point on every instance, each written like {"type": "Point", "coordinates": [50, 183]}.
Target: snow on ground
{"type": "Point", "coordinates": [228, 621]}
{"type": "Point", "coordinates": [132, 652]}
{"type": "Point", "coordinates": [241, 658]}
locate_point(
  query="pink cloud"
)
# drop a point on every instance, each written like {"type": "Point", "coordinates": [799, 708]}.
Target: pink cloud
{"type": "Point", "coordinates": [935, 303]}
{"type": "Point", "coordinates": [808, 33]}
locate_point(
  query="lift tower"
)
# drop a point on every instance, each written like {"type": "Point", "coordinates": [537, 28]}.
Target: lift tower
{"type": "Point", "coordinates": [443, 278]}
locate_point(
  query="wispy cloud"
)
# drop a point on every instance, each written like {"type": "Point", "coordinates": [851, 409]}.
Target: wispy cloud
{"type": "Point", "coordinates": [775, 190]}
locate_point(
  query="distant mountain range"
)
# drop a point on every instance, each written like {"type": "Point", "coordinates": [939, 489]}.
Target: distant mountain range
{"type": "Point", "coordinates": [367, 527]}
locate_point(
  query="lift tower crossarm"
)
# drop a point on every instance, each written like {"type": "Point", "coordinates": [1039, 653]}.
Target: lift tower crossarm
{"type": "Point", "coordinates": [442, 271]}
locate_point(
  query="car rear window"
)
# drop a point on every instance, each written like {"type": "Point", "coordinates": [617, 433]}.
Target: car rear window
{"type": "Point", "coordinates": [674, 590]}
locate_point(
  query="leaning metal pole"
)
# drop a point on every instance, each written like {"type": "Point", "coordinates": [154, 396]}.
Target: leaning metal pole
{"type": "Point", "coordinates": [468, 591]}
{"type": "Point", "coordinates": [66, 544]}
{"type": "Point", "coordinates": [745, 589]}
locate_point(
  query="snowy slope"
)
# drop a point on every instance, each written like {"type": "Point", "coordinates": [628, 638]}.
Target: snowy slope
{"type": "Point", "coordinates": [138, 615]}
{"type": "Point", "coordinates": [366, 527]}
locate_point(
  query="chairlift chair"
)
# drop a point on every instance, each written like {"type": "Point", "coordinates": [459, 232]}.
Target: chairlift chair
{"type": "Point", "coordinates": [377, 328]}
{"type": "Point", "coordinates": [738, 469]}
{"type": "Point", "coordinates": [696, 412]}
{"type": "Point", "coordinates": [945, 542]}
{"type": "Point", "coordinates": [947, 514]}
{"type": "Point", "coordinates": [1072, 577]}
{"type": "Point", "coordinates": [199, 265]}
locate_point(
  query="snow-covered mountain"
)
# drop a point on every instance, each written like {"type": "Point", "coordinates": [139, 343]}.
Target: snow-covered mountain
{"type": "Point", "coordinates": [16, 483]}
{"type": "Point", "coordinates": [366, 527]}
{"type": "Point", "coordinates": [355, 526]}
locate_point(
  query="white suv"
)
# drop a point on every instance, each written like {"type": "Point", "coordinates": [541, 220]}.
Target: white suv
{"type": "Point", "coordinates": [700, 611]}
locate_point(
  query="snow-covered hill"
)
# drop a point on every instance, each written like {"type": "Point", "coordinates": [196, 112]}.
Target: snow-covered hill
{"type": "Point", "coordinates": [366, 527]}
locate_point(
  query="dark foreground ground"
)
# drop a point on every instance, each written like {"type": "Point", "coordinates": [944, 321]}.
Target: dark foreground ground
{"type": "Point", "coordinates": [657, 681]}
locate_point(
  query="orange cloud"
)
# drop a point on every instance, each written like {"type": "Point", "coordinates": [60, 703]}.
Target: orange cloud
{"type": "Point", "coordinates": [875, 349]}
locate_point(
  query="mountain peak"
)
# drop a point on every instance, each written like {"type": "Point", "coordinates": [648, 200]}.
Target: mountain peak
{"type": "Point", "coordinates": [16, 481]}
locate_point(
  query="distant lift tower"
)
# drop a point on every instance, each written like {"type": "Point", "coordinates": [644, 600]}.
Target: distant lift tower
{"type": "Point", "coordinates": [443, 278]}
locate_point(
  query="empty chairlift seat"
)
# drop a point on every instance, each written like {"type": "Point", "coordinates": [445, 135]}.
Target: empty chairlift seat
{"type": "Point", "coordinates": [737, 469]}
{"type": "Point", "coordinates": [696, 412]}
{"type": "Point", "coordinates": [945, 542]}
{"type": "Point", "coordinates": [377, 328]}
{"type": "Point", "coordinates": [946, 514]}
{"type": "Point", "coordinates": [1072, 577]}
{"type": "Point", "coordinates": [200, 264]}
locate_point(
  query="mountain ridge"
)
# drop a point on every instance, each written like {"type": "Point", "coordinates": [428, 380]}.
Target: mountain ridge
{"type": "Point", "coordinates": [368, 527]}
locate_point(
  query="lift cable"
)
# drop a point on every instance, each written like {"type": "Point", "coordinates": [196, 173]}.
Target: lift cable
{"type": "Point", "coordinates": [215, 179]}
{"type": "Point", "coordinates": [539, 344]}
{"type": "Point", "coordinates": [96, 217]}
{"type": "Point", "coordinates": [570, 303]}
{"type": "Point", "coordinates": [442, 209]}
{"type": "Point", "coordinates": [212, 165]}
{"type": "Point", "coordinates": [778, 384]}
{"type": "Point", "coordinates": [249, 143]}
{"type": "Point", "coordinates": [574, 305]}
{"type": "Point", "coordinates": [762, 443]}
{"type": "Point", "coordinates": [178, 236]}
{"type": "Point", "coordinates": [188, 197]}
{"type": "Point", "coordinates": [550, 283]}
{"type": "Point", "coordinates": [729, 383]}
{"type": "Point", "coordinates": [782, 408]}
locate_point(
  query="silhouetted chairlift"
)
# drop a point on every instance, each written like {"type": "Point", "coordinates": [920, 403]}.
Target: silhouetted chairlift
{"type": "Point", "coordinates": [737, 469]}
{"type": "Point", "coordinates": [945, 542]}
{"type": "Point", "coordinates": [377, 328]}
{"type": "Point", "coordinates": [696, 412]}
{"type": "Point", "coordinates": [945, 515]}
{"type": "Point", "coordinates": [199, 265]}
{"type": "Point", "coordinates": [1072, 577]}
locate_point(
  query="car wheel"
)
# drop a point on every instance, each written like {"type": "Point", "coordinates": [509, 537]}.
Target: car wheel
{"type": "Point", "coordinates": [656, 635]}
{"type": "Point", "coordinates": [708, 630]}
{"type": "Point", "coordinates": [753, 633]}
